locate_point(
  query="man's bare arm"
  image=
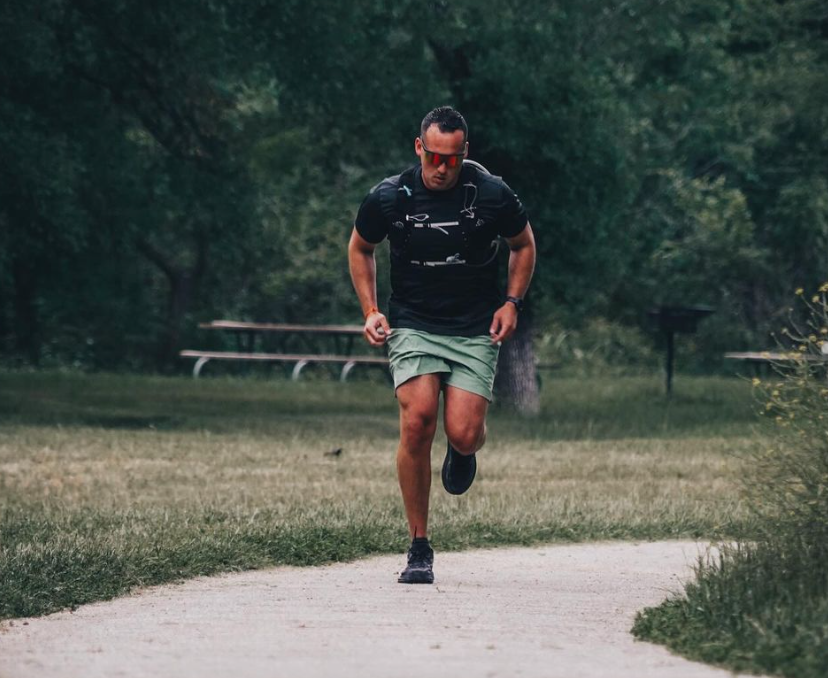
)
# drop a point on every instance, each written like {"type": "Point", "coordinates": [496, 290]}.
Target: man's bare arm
{"type": "Point", "coordinates": [363, 268]}
{"type": "Point", "coordinates": [521, 266]}
{"type": "Point", "coordinates": [521, 262]}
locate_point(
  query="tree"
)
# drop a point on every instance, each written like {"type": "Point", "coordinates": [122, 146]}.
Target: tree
{"type": "Point", "coordinates": [136, 94]}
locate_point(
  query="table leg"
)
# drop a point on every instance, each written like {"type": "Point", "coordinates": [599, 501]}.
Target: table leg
{"type": "Point", "coordinates": [297, 370]}
{"type": "Point", "coordinates": [201, 362]}
{"type": "Point", "coordinates": [346, 370]}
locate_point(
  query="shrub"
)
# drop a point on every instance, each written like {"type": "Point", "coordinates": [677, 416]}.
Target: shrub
{"type": "Point", "coordinates": [762, 604]}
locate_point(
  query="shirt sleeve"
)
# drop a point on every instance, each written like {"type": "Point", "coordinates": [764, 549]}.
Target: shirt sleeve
{"type": "Point", "coordinates": [370, 221]}
{"type": "Point", "coordinates": [512, 217]}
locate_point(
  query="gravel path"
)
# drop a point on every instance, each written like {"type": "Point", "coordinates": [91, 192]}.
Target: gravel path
{"type": "Point", "coordinates": [552, 611]}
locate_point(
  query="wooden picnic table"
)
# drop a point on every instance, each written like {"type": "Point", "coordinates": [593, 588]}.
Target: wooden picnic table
{"type": "Point", "coordinates": [289, 339]}
{"type": "Point", "coordinates": [247, 334]}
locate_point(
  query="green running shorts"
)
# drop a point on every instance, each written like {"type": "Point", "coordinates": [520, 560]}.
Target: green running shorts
{"type": "Point", "coordinates": [467, 363]}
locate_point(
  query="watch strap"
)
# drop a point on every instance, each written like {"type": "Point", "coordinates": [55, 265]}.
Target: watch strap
{"type": "Point", "coordinates": [517, 301]}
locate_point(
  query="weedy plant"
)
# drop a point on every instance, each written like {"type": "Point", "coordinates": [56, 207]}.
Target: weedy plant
{"type": "Point", "coordinates": [762, 604]}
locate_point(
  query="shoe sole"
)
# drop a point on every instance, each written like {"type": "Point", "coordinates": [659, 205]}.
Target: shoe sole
{"type": "Point", "coordinates": [417, 579]}
{"type": "Point", "coordinates": [445, 478]}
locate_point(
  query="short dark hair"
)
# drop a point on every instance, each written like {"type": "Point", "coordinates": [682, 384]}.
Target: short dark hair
{"type": "Point", "coordinates": [446, 119]}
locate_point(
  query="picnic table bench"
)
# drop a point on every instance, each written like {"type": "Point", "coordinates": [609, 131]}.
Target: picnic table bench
{"type": "Point", "coordinates": [247, 334]}
{"type": "Point", "coordinates": [761, 359]}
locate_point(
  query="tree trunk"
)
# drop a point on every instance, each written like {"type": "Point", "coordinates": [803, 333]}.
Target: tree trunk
{"type": "Point", "coordinates": [516, 385]}
{"type": "Point", "coordinates": [181, 291]}
{"type": "Point", "coordinates": [183, 283]}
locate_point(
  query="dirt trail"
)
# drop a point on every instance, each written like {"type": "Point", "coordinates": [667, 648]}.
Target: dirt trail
{"type": "Point", "coordinates": [552, 611]}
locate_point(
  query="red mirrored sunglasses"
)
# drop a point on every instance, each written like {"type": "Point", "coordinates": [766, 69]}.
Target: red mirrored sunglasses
{"type": "Point", "coordinates": [437, 159]}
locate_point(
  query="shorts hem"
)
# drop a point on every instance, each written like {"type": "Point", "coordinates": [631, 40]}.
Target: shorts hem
{"type": "Point", "coordinates": [409, 377]}
{"type": "Point", "coordinates": [472, 388]}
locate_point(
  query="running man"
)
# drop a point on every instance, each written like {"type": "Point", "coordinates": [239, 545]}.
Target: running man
{"type": "Point", "coordinates": [446, 316]}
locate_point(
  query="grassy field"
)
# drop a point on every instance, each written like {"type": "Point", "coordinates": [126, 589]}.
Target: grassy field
{"type": "Point", "coordinates": [109, 482]}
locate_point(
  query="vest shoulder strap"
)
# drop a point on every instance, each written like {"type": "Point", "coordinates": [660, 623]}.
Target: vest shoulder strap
{"type": "Point", "coordinates": [397, 192]}
{"type": "Point", "coordinates": [397, 202]}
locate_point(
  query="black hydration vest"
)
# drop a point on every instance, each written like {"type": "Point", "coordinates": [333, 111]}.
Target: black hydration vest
{"type": "Point", "coordinates": [398, 207]}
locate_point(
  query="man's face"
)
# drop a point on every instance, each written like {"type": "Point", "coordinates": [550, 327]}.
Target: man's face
{"type": "Point", "coordinates": [441, 177]}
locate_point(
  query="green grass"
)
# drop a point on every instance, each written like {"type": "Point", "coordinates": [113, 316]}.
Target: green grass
{"type": "Point", "coordinates": [759, 608]}
{"type": "Point", "coordinates": [762, 604]}
{"type": "Point", "coordinates": [108, 482]}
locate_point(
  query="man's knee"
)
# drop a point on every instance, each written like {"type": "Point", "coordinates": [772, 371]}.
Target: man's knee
{"type": "Point", "coordinates": [465, 438]}
{"type": "Point", "coordinates": [418, 424]}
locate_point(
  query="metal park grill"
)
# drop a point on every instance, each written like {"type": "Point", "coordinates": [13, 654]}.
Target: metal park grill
{"type": "Point", "coordinates": [673, 319]}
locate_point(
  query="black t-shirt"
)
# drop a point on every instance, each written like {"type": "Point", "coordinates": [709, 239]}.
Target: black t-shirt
{"type": "Point", "coordinates": [444, 272]}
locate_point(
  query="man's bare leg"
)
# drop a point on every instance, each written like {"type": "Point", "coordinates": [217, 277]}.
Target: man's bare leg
{"type": "Point", "coordinates": [419, 400]}
{"type": "Point", "coordinates": [465, 423]}
{"type": "Point", "coordinates": [464, 418]}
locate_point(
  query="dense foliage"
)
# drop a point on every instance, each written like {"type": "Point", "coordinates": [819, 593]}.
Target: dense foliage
{"type": "Point", "coordinates": [168, 163]}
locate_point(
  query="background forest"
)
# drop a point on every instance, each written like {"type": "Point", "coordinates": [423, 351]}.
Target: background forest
{"type": "Point", "coordinates": [163, 164]}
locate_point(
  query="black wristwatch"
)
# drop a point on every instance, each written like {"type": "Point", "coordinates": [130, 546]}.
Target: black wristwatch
{"type": "Point", "coordinates": [517, 301]}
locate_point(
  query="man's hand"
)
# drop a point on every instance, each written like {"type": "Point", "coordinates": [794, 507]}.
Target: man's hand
{"type": "Point", "coordinates": [504, 323]}
{"type": "Point", "coordinates": [376, 329]}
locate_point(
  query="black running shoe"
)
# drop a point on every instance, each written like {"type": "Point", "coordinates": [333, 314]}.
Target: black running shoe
{"type": "Point", "coordinates": [420, 562]}
{"type": "Point", "coordinates": [458, 471]}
